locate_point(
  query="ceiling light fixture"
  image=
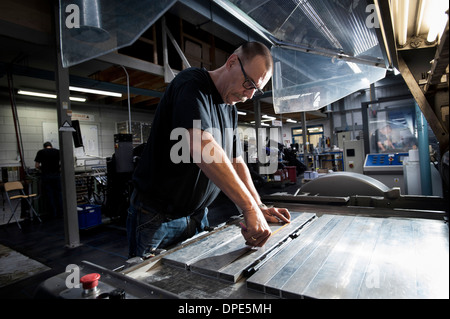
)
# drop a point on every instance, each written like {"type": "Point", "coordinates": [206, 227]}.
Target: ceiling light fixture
{"type": "Point", "coordinates": [38, 94]}
{"type": "Point", "coordinates": [49, 95]}
{"type": "Point", "coordinates": [438, 22]}
{"type": "Point", "coordinates": [93, 91]}
{"type": "Point", "coordinates": [402, 10]}
{"type": "Point", "coordinates": [269, 117]}
{"type": "Point", "coordinates": [77, 99]}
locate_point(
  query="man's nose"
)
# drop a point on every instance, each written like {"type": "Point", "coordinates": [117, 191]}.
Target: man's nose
{"type": "Point", "coordinates": [249, 93]}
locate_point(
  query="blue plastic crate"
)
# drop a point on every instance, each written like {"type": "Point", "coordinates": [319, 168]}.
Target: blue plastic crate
{"type": "Point", "coordinates": [89, 216]}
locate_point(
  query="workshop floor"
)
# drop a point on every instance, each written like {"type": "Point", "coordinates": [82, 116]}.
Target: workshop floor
{"type": "Point", "coordinates": [105, 245]}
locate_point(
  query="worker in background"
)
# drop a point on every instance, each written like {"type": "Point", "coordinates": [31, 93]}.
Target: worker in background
{"type": "Point", "coordinates": [171, 197]}
{"type": "Point", "coordinates": [47, 160]}
{"type": "Point", "coordinates": [383, 138]}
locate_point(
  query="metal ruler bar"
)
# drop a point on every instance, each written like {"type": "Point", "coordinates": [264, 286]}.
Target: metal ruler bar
{"type": "Point", "coordinates": [280, 238]}
{"type": "Point", "coordinates": [281, 245]}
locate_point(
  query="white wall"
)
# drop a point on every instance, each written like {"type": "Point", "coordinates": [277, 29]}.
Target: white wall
{"type": "Point", "coordinates": [33, 114]}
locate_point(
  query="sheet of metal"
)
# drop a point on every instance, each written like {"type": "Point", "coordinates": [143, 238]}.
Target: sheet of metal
{"type": "Point", "coordinates": [391, 272]}
{"type": "Point", "coordinates": [272, 277]}
{"type": "Point", "coordinates": [224, 254]}
{"type": "Point", "coordinates": [410, 260]}
{"type": "Point", "coordinates": [217, 259]}
{"type": "Point", "coordinates": [361, 257]}
{"type": "Point", "coordinates": [304, 274]}
{"type": "Point", "coordinates": [431, 244]}
{"type": "Point", "coordinates": [198, 250]}
{"type": "Point", "coordinates": [343, 272]}
{"type": "Point", "coordinates": [334, 256]}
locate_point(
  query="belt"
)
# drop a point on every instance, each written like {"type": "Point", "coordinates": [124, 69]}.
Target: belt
{"type": "Point", "coordinates": [162, 208]}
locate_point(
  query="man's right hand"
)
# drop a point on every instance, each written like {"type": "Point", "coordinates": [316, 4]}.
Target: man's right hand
{"type": "Point", "coordinates": [257, 231]}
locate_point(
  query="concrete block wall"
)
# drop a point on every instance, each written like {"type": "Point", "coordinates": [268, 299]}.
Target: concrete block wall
{"type": "Point", "coordinates": [32, 115]}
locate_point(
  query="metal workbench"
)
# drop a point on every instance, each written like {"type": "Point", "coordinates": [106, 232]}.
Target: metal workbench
{"type": "Point", "coordinates": [327, 251]}
{"type": "Point", "coordinates": [333, 252]}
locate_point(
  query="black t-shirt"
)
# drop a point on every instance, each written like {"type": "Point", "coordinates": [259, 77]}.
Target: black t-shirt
{"type": "Point", "coordinates": [49, 159]}
{"type": "Point", "coordinates": [166, 174]}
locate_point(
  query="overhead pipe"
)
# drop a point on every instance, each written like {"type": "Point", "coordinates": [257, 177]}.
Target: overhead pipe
{"type": "Point", "coordinates": [128, 99]}
{"type": "Point", "coordinates": [91, 27]}
{"type": "Point", "coordinates": [304, 140]}
{"type": "Point", "coordinates": [16, 124]}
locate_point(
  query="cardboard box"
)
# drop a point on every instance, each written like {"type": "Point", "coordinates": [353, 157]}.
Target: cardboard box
{"type": "Point", "coordinates": [310, 175]}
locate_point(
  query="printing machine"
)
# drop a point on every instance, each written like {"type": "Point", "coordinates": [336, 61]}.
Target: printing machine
{"type": "Point", "coordinates": [376, 244]}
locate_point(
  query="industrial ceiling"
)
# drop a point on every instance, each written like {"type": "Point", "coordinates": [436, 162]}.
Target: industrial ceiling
{"type": "Point", "coordinates": [316, 44]}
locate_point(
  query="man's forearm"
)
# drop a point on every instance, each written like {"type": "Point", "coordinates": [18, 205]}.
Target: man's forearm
{"type": "Point", "coordinates": [244, 174]}
{"type": "Point", "coordinates": [219, 169]}
{"type": "Point", "coordinates": [235, 181]}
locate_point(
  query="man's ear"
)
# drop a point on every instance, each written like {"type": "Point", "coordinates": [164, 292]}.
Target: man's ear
{"type": "Point", "coordinates": [232, 59]}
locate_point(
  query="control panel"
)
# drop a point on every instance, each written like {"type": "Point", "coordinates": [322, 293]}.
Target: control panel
{"type": "Point", "coordinates": [384, 161]}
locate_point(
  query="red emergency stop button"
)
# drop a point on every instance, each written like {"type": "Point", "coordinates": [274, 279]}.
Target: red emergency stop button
{"type": "Point", "coordinates": [90, 281]}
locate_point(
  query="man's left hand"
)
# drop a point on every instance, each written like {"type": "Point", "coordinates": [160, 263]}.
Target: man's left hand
{"type": "Point", "coordinates": [276, 215]}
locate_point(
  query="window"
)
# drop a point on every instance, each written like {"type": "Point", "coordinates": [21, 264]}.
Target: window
{"type": "Point", "coordinates": [140, 131]}
{"type": "Point", "coordinates": [392, 129]}
{"type": "Point", "coordinates": [315, 133]}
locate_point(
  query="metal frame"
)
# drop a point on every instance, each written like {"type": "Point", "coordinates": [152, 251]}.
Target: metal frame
{"type": "Point", "coordinates": [17, 186]}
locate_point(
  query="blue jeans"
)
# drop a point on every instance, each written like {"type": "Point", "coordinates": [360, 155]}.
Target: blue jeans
{"type": "Point", "coordinates": [148, 229]}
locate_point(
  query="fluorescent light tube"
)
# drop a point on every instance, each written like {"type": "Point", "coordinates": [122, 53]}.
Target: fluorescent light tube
{"type": "Point", "coordinates": [77, 99]}
{"type": "Point", "coordinates": [438, 22]}
{"type": "Point", "coordinates": [49, 95]}
{"type": "Point", "coordinates": [269, 117]}
{"type": "Point", "coordinates": [100, 92]}
{"type": "Point", "coordinates": [39, 94]}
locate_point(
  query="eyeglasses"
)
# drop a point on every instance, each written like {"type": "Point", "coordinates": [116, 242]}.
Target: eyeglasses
{"type": "Point", "coordinates": [249, 84]}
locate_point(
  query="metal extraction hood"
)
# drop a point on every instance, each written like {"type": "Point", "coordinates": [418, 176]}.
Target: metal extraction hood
{"type": "Point", "coordinates": [323, 50]}
{"type": "Point", "coordinates": [91, 28]}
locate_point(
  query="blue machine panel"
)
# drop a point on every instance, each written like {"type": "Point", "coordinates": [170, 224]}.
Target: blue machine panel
{"type": "Point", "coordinates": [384, 161]}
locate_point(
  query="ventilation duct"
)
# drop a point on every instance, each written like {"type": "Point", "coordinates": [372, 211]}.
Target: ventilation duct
{"type": "Point", "coordinates": [90, 20]}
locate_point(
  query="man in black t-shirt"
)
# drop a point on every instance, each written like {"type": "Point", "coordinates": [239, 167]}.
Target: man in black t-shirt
{"type": "Point", "coordinates": [193, 153]}
{"type": "Point", "coordinates": [47, 161]}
